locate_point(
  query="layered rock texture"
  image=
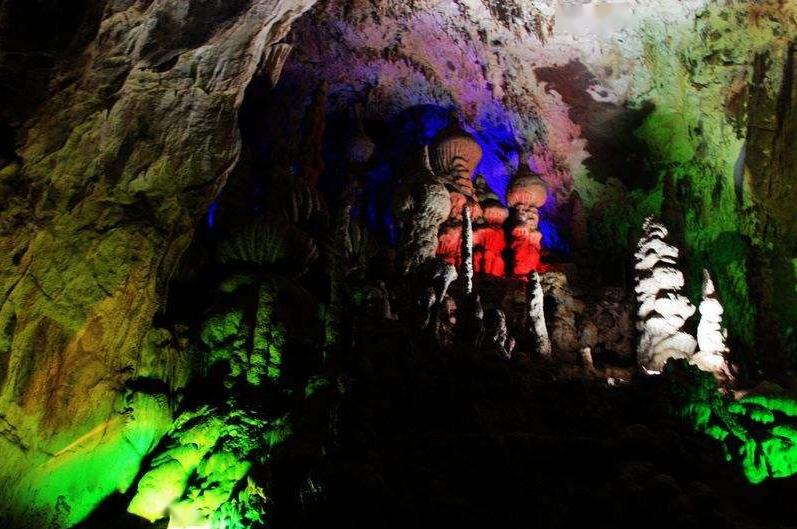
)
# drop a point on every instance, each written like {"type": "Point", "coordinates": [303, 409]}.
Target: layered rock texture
{"type": "Point", "coordinates": [711, 336]}
{"type": "Point", "coordinates": [112, 169]}
{"type": "Point", "coordinates": [663, 309]}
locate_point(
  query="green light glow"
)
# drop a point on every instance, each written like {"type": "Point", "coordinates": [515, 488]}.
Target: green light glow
{"type": "Point", "coordinates": [209, 453]}
{"type": "Point", "coordinates": [200, 477]}
{"type": "Point", "coordinates": [100, 460]}
{"type": "Point", "coordinates": [757, 431]}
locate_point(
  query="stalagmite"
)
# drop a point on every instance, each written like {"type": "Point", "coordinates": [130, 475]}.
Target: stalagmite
{"type": "Point", "coordinates": [663, 310]}
{"type": "Point", "coordinates": [489, 238]}
{"type": "Point", "coordinates": [537, 315]}
{"type": "Point", "coordinates": [710, 334]}
{"type": "Point", "coordinates": [444, 274]}
{"type": "Point", "coordinates": [526, 195]}
{"type": "Point", "coordinates": [496, 335]}
{"type": "Point", "coordinates": [422, 204]}
{"type": "Point", "coordinates": [467, 250]}
{"type": "Point", "coordinates": [453, 156]}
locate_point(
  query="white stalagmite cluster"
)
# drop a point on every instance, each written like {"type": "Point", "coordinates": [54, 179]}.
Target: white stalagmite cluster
{"type": "Point", "coordinates": [710, 334]}
{"type": "Point", "coordinates": [663, 310]}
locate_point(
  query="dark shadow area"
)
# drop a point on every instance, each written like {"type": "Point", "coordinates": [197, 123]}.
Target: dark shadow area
{"type": "Point", "coordinates": [608, 128]}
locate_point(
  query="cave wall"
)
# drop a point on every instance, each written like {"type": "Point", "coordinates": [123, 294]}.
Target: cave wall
{"type": "Point", "coordinates": [113, 169]}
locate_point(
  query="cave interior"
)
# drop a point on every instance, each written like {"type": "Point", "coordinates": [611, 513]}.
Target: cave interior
{"type": "Point", "coordinates": [480, 263]}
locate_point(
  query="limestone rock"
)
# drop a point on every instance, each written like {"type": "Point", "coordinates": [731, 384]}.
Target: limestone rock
{"type": "Point", "coordinates": [422, 204]}
{"type": "Point", "coordinates": [712, 349]}
{"type": "Point", "coordinates": [663, 310]}
{"type": "Point", "coordinates": [567, 309]}
{"type": "Point", "coordinates": [138, 135]}
{"type": "Point", "coordinates": [609, 324]}
{"type": "Point", "coordinates": [497, 339]}
{"type": "Point", "coordinates": [536, 315]}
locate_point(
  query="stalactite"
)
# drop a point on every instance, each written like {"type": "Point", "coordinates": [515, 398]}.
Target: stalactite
{"type": "Point", "coordinates": [536, 314]}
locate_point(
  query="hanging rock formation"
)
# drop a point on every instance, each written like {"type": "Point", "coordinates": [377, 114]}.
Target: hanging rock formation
{"type": "Point", "coordinates": [663, 310]}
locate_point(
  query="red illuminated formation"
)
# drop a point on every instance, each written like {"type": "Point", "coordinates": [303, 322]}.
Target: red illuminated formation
{"type": "Point", "coordinates": [525, 196]}
{"type": "Point", "coordinates": [489, 243]}
{"type": "Point", "coordinates": [449, 242]}
{"type": "Point", "coordinates": [489, 239]}
{"type": "Point", "coordinates": [525, 245]}
{"type": "Point", "coordinates": [454, 155]}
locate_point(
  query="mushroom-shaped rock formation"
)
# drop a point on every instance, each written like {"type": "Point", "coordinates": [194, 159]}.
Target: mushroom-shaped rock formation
{"type": "Point", "coordinates": [489, 239]}
{"type": "Point", "coordinates": [712, 349]}
{"type": "Point", "coordinates": [454, 155]}
{"type": "Point", "coordinates": [526, 194]}
{"type": "Point", "coordinates": [663, 310]}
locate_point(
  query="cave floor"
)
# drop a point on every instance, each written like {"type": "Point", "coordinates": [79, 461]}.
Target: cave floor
{"type": "Point", "coordinates": [456, 438]}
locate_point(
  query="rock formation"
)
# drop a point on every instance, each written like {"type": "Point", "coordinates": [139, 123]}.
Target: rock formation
{"type": "Point", "coordinates": [489, 238]}
{"type": "Point", "coordinates": [526, 195]}
{"type": "Point", "coordinates": [132, 131]}
{"type": "Point", "coordinates": [454, 155]}
{"type": "Point", "coordinates": [712, 349]}
{"type": "Point", "coordinates": [663, 309]}
{"type": "Point", "coordinates": [138, 134]}
{"type": "Point", "coordinates": [611, 322]}
{"type": "Point", "coordinates": [467, 250]}
{"type": "Point", "coordinates": [536, 315]}
{"type": "Point", "coordinates": [497, 339]}
{"type": "Point", "coordinates": [567, 309]}
{"type": "Point", "coordinates": [423, 204]}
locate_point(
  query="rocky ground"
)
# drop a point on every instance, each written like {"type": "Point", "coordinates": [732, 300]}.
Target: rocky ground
{"type": "Point", "coordinates": [433, 438]}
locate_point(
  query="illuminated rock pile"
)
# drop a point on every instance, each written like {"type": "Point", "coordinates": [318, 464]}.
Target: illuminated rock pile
{"type": "Point", "coordinates": [526, 195]}
{"type": "Point", "coordinates": [757, 430]}
{"type": "Point", "coordinates": [489, 237]}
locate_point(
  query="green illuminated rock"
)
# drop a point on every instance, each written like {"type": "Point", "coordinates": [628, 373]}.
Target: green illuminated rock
{"type": "Point", "coordinates": [757, 431]}
{"type": "Point", "coordinates": [117, 160]}
{"type": "Point", "coordinates": [208, 452]}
